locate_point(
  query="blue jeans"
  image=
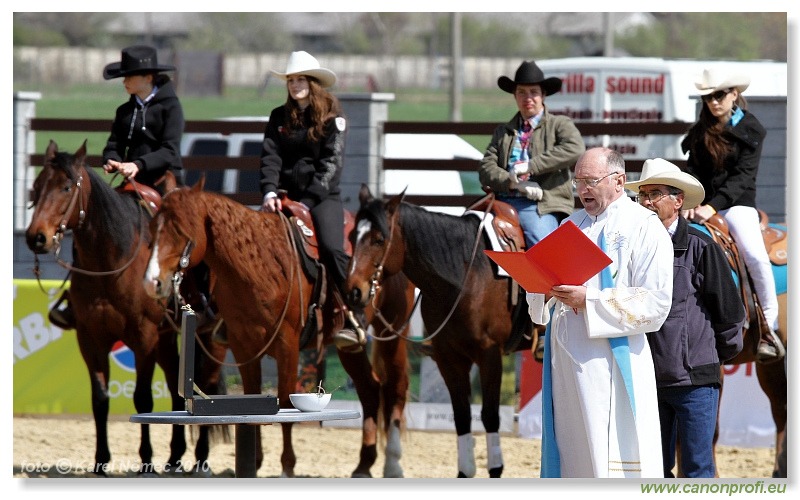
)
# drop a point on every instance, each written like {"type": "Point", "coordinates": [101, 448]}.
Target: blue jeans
{"type": "Point", "coordinates": [690, 415]}
{"type": "Point", "coordinates": [534, 226]}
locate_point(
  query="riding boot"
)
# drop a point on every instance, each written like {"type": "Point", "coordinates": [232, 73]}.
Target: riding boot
{"type": "Point", "coordinates": [352, 337]}
{"type": "Point", "coordinates": [62, 318]}
{"type": "Point", "coordinates": [770, 348]}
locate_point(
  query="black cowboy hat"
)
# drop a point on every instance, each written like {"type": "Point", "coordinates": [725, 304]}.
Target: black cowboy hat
{"type": "Point", "coordinates": [529, 73]}
{"type": "Point", "coordinates": [137, 59]}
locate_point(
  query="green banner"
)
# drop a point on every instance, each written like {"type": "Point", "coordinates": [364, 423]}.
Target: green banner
{"type": "Point", "coordinates": [49, 373]}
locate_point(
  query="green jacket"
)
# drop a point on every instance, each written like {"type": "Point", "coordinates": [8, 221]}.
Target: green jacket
{"type": "Point", "coordinates": [556, 145]}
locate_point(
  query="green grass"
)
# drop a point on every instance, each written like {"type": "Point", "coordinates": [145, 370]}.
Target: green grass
{"type": "Point", "coordinates": [99, 101]}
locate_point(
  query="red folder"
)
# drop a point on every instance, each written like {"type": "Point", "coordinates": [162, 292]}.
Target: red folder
{"type": "Point", "coordinates": [564, 257]}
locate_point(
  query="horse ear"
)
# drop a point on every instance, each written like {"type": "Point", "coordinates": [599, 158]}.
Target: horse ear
{"type": "Point", "coordinates": [365, 195]}
{"type": "Point", "coordinates": [80, 154]}
{"type": "Point", "coordinates": [394, 202]}
{"type": "Point", "coordinates": [170, 182]}
{"type": "Point", "coordinates": [200, 183]}
{"type": "Point", "coordinates": [52, 150]}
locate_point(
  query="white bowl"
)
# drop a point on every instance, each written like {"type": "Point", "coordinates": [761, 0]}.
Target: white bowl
{"type": "Point", "coordinates": [310, 401]}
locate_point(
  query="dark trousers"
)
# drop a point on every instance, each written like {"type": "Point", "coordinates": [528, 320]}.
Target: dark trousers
{"type": "Point", "coordinates": [689, 414]}
{"type": "Point", "coordinates": [328, 217]}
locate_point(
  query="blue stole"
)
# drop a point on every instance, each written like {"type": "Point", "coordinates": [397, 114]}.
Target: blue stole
{"type": "Point", "coordinates": [551, 460]}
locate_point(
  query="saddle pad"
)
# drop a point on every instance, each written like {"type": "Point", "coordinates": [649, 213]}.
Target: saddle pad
{"type": "Point", "coordinates": [488, 227]}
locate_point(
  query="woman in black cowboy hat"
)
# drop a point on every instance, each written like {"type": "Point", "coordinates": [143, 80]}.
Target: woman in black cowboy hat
{"type": "Point", "coordinates": [528, 161]}
{"type": "Point", "coordinates": [146, 134]}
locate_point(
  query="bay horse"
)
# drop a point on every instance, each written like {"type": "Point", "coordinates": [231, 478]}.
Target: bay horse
{"type": "Point", "coordinates": [466, 308]}
{"type": "Point", "coordinates": [772, 377]}
{"type": "Point", "coordinates": [264, 295]}
{"type": "Point", "coordinates": [110, 252]}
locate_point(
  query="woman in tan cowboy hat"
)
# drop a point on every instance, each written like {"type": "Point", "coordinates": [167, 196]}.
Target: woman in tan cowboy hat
{"type": "Point", "coordinates": [145, 137]}
{"type": "Point", "coordinates": [724, 147]}
{"type": "Point", "coordinates": [303, 155]}
{"type": "Point", "coordinates": [703, 328]}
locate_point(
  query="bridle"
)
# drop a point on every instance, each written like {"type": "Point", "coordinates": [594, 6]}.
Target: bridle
{"type": "Point", "coordinates": [180, 303]}
{"type": "Point", "coordinates": [79, 201]}
{"type": "Point", "coordinates": [377, 276]}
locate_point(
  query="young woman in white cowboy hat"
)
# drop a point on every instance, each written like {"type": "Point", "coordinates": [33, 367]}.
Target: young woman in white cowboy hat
{"type": "Point", "coordinates": [303, 155]}
{"type": "Point", "coordinates": [724, 147]}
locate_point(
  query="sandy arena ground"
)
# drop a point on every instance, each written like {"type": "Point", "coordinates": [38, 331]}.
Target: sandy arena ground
{"type": "Point", "coordinates": [42, 446]}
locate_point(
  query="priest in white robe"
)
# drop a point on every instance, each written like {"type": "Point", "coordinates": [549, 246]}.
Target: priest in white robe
{"type": "Point", "coordinates": [600, 409]}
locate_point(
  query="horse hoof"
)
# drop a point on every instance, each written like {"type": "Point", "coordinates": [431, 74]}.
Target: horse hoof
{"type": "Point", "coordinates": [461, 475]}
{"type": "Point", "coordinates": [361, 475]}
{"type": "Point", "coordinates": [496, 472]}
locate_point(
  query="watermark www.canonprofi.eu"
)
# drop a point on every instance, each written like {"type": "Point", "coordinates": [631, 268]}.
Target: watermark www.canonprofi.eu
{"type": "Point", "coordinates": [720, 488]}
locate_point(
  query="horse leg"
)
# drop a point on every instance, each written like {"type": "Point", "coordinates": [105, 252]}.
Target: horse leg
{"type": "Point", "coordinates": [251, 384]}
{"type": "Point", "coordinates": [143, 402]}
{"type": "Point", "coordinates": [491, 372]}
{"type": "Point", "coordinates": [772, 379]}
{"type": "Point", "coordinates": [168, 359]}
{"type": "Point", "coordinates": [455, 372]}
{"type": "Point", "coordinates": [394, 356]}
{"type": "Point", "coordinates": [367, 387]}
{"type": "Point", "coordinates": [286, 359]}
{"type": "Point", "coordinates": [98, 379]}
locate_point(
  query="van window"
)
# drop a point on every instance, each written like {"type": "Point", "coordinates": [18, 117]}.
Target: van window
{"type": "Point", "coordinates": [249, 180]}
{"type": "Point", "coordinates": [207, 147]}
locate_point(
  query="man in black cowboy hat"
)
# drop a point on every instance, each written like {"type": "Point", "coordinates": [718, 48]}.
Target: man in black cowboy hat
{"type": "Point", "coordinates": [145, 136]}
{"type": "Point", "coordinates": [528, 161]}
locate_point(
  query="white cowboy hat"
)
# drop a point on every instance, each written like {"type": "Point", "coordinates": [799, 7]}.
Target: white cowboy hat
{"type": "Point", "coordinates": [660, 171]}
{"type": "Point", "coordinates": [303, 63]}
{"type": "Point", "coordinates": [712, 80]}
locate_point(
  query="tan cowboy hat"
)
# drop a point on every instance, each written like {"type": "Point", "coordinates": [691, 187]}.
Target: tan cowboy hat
{"type": "Point", "coordinates": [303, 63]}
{"type": "Point", "coordinates": [137, 59]}
{"type": "Point", "coordinates": [712, 80]}
{"type": "Point", "coordinates": [660, 171]}
{"type": "Point", "coordinates": [529, 73]}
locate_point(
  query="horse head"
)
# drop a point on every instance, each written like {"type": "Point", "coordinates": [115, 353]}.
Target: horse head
{"type": "Point", "coordinates": [178, 240]}
{"type": "Point", "coordinates": [59, 196]}
{"type": "Point", "coordinates": [378, 248]}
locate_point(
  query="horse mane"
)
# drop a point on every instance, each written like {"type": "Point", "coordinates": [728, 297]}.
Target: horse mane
{"type": "Point", "coordinates": [441, 243]}
{"type": "Point", "coordinates": [112, 214]}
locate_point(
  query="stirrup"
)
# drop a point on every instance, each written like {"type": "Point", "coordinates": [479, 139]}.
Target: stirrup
{"type": "Point", "coordinates": [62, 318]}
{"type": "Point", "coordinates": [770, 350]}
{"type": "Point", "coordinates": [351, 339]}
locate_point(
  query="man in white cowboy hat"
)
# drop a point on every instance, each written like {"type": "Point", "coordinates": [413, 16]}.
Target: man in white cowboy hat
{"type": "Point", "coordinates": [527, 163]}
{"type": "Point", "coordinates": [703, 328]}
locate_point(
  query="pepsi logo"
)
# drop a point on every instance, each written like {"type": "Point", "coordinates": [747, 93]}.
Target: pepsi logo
{"type": "Point", "coordinates": [123, 357]}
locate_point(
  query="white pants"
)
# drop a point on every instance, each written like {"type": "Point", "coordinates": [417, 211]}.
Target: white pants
{"type": "Point", "coordinates": [746, 231]}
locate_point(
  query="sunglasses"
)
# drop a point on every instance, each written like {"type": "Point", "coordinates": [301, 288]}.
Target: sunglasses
{"type": "Point", "coordinates": [718, 96]}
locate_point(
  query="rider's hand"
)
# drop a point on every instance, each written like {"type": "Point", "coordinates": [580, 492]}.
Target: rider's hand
{"type": "Point", "coordinates": [271, 203]}
{"type": "Point", "coordinates": [531, 190]}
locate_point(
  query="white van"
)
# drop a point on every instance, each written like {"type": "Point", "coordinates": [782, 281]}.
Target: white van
{"type": "Point", "coordinates": [619, 89]}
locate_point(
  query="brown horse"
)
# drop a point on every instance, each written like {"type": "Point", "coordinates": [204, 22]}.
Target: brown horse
{"type": "Point", "coordinates": [771, 376]}
{"type": "Point", "coordinates": [264, 296]}
{"type": "Point", "coordinates": [466, 308]}
{"type": "Point", "coordinates": [110, 253]}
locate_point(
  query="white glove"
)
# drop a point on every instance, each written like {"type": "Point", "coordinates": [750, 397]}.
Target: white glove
{"type": "Point", "coordinates": [521, 168]}
{"type": "Point", "coordinates": [531, 190]}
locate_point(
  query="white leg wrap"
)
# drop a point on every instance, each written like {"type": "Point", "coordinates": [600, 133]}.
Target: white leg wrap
{"type": "Point", "coordinates": [493, 452]}
{"type": "Point", "coordinates": [466, 455]}
{"type": "Point", "coordinates": [394, 450]}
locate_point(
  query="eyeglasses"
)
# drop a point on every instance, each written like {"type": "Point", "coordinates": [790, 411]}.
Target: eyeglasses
{"type": "Point", "coordinates": [653, 196]}
{"type": "Point", "coordinates": [718, 96]}
{"type": "Point", "coordinates": [592, 183]}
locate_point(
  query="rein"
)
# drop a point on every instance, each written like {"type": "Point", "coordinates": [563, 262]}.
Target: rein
{"type": "Point", "coordinates": [379, 275]}
{"type": "Point", "coordinates": [184, 262]}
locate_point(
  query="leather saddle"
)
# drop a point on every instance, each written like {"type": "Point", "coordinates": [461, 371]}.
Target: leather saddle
{"type": "Point", "coordinates": [300, 218]}
{"type": "Point", "coordinates": [149, 197]}
{"type": "Point", "coordinates": [505, 223]}
{"type": "Point", "coordinates": [774, 239]}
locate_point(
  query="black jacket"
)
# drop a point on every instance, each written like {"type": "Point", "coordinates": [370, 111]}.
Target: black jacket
{"type": "Point", "coordinates": [308, 171]}
{"type": "Point", "coordinates": [736, 183]}
{"type": "Point", "coordinates": [704, 326]}
{"type": "Point", "coordinates": [149, 135]}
